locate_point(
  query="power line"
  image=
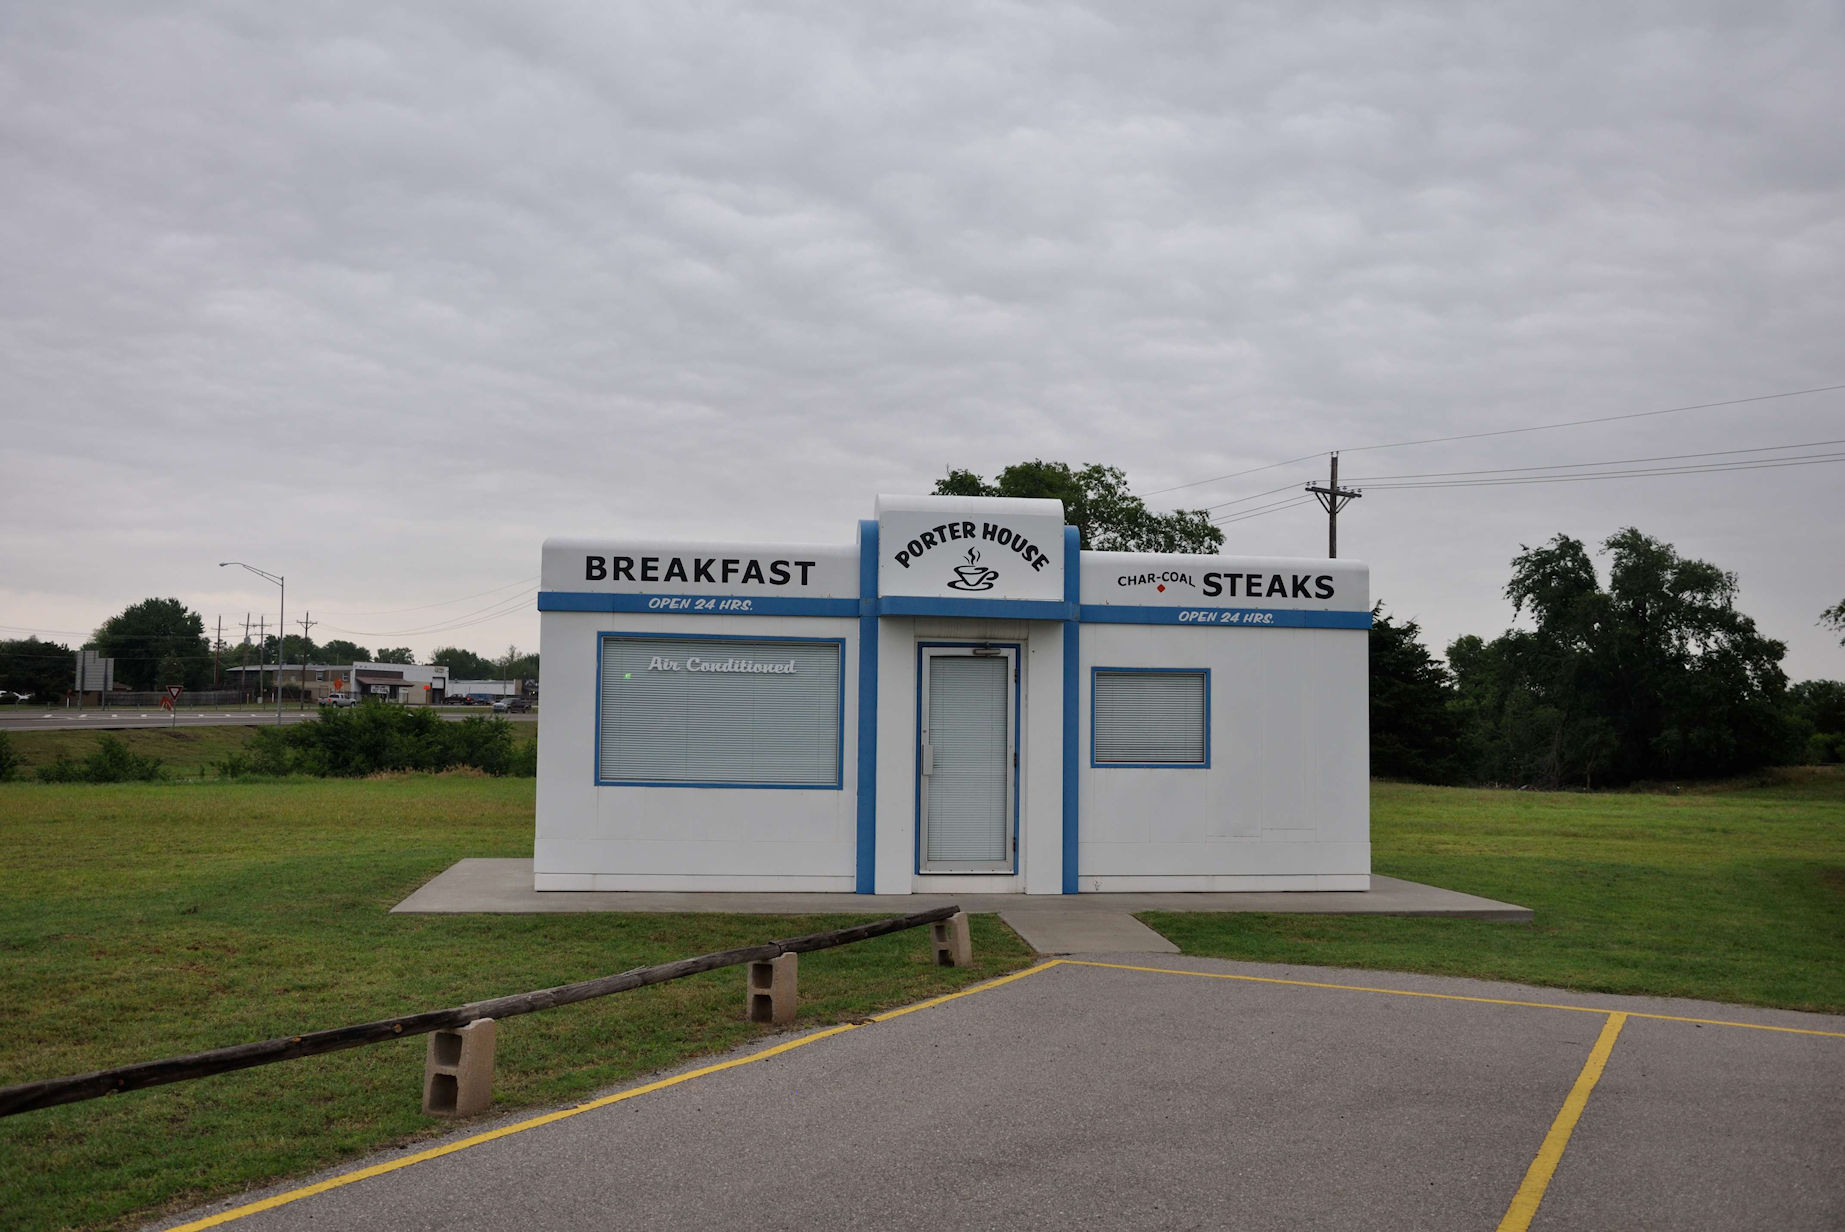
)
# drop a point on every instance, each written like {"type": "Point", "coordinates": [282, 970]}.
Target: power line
{"type": "Point", "coordinates": [1713, 468]}
{"type": "Point", "coordinates": [421, 607]}
{"type": "Point", "coordinates": [1260, 511]}
{"type": "Point", "coordinates": [1240, 514]}
{"type": "Point", "coordinates": [492, 611]}
{"type": "Point", "coordinates": [1563, 466]}
{"type": "Point", "coordinates": [1254, 470]}
{"type": "Point", "coordinates": [1473, 436]}
{"type": "Point", "coordinates": [1286, 487]}
{"type": "Point", "coordinates": [1245, 515]}
{"type": "Point", "coordinates": [1577, 423]}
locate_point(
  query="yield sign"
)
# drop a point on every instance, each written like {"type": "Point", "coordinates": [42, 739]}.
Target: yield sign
{"type": "Point", "coordinates": [173, 692]}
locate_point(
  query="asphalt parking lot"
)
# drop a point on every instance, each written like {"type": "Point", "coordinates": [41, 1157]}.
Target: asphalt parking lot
{"type": "Point", "coordinates": [1169, 1092]}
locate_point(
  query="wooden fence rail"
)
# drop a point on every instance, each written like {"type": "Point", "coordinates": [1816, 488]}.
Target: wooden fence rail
{"type": "Point", "coordinates": [32, 1095]}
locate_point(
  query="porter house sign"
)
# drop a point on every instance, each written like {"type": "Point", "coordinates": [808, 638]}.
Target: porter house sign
{"type": "Point", "coordinates": [970, 548]}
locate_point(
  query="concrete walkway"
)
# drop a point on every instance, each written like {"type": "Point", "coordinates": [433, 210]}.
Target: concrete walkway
{"type": "Point", "coordinates": [1049, 923]}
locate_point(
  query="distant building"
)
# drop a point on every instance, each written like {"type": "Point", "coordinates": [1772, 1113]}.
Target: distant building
{"type": "Point", "coordinates": [410, 684]}
{"type": "Point", "coordinates": [484, 690]}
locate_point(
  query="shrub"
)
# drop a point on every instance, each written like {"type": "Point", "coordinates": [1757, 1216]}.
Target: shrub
{"type": "Point", "coordinates": [111, 762]}
{"type": "Point", "coordinates": [482, 742]}
{"type": "Point", "coordinates": [375, 738]}
{"type": "Point", "coordinates": [235, 766]}
{"type": "Point", "coordinates": [525, 761]}
{"type": "Point", "coordinates": [9, 759]}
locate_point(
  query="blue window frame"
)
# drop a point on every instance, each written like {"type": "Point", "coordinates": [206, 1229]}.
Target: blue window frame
{"type": "Point", "coordinates": [719, 710]}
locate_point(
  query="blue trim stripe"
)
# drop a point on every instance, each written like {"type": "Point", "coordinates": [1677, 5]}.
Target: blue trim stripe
{"type": "Point", "coordinates": [979, 609]}
{"type": "Point", "coordinates": [919, 605]}
{"type": "Point", "coordinates": [1242, 617]}
{"type": "Point", "coordinates": [866, 610]}
{"type": "Point", "coordinates": [695, 605]}
{"type": "Point", "coordinates": [1072, 673]}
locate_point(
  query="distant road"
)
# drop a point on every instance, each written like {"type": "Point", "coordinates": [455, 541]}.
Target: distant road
{"type": "Point", "coordinates": [103, 720]}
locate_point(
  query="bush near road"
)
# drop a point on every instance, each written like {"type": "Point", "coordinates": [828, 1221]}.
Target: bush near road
{"type": "Point", "coordinates": [372, 738]}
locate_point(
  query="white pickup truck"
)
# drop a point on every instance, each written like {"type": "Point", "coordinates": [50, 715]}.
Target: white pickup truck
{"type": "Point", "coordinates": [340, 699]}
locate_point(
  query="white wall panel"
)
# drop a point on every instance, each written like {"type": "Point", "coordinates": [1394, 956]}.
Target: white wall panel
{"type": "Point", "coordinates": [724, 834]}
{"type": "Point", "coordinates": [1287, 792]}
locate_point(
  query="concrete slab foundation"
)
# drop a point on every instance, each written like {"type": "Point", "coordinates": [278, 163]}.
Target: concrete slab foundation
{"type": "Point", "coordinates": [505, 887]}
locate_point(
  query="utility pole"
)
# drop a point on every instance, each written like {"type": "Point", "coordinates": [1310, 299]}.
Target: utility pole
{"type": "Point", "coordinates": [301, 693]}
{"type": "Point", "coordinates": [262, 660]}
{"type": "Point", "coordinates": [1333, 498]}
{"type": "Point", "coordinates": [243, 682]}
{"type": "Point", "coordinates": [217, 649]}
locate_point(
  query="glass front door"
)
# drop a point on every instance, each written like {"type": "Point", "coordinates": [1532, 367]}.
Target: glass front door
{"type": "Point", "coordinates": [967, 759]}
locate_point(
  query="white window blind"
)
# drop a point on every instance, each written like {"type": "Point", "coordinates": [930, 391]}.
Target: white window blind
{"type": "Point", "coordinates": [1150, 718]}
{"type": "Point", "coordinates": [732, 712]}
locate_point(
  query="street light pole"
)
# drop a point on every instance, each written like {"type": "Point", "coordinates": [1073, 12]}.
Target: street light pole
{"type": "Point", "coordinates": [281, 627]}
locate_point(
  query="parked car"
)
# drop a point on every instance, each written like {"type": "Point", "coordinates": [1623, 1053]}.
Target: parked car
{"type": "Point", "coordinates": [512, 705]}
{"type": "Point", "coordinates": [340, 699]}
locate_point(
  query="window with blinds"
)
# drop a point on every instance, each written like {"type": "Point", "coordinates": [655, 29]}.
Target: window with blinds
{"type": "Point", "coordinates": [1151, 717]}
{"type": "Point", "coordinates": [720, 713]}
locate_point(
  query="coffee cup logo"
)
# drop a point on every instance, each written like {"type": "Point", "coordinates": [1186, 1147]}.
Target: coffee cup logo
{"type": "Point", "coordinates": [973, 575]}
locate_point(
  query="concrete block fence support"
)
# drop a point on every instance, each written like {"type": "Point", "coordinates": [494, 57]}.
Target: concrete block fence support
{"type": "Point", "coordinates": [953, 947]}
{"type": "Point", "coordinates": [770, 990]}
{"type": "Point", "coordinates": [458, 1070]}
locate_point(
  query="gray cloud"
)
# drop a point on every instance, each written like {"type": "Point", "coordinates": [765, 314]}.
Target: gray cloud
{"type": "Point", "coordinates": [379, 298]}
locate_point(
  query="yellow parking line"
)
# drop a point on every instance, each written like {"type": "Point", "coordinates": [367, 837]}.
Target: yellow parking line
{"type": "Point", "coordinates": [1537, 1177]}
{"type": "Point", "coordinates": [348, 1178]}
{"type": "Point", "coordinates": [1449, 996]}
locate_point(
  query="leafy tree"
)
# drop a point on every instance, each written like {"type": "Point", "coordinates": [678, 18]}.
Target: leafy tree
{"type": "Point", "coordinates": [1655, 675]}
{"type": "Point", "coordinates": [154, 643]}
{"type": "Point", "coordinates": [1833, 618]}
{"type": "Point", "coordinates": [515, 665]}
{"type": "Point", "coordinates": [298, 650]}
{"type": "Point", "coordinates": [397, 654]}
{"type": "Point", "coordinates": [463, 664]}
{"type": "Point", "coordinates": [37, 668]}
{"type": "Point", "coordinates": [1097, 502]}
{"type": "Point", "coordinates": [1818, 708]}
{"type": "Point", "coordinates": [1415, 732]}
{"type": "Point", "coordinates": [341, 651]}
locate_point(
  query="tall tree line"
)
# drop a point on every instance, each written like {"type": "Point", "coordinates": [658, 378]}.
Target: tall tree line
{"type": "Point", "coordinates": [1648, 673]}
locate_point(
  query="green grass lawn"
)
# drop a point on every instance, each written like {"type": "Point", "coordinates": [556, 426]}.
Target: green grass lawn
{"type": "Point", "coordinates": [1731, 893]}
{"type": "Point", "coordinates": [149, 920]}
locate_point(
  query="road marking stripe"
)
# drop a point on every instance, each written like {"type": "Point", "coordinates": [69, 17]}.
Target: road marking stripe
{"type": "Point", "coordinates": [348, 1178]}
{"type": "Point", "coordinates": [1524, 1206]}
{"type": "Point", "coordinates": [1449, 996]}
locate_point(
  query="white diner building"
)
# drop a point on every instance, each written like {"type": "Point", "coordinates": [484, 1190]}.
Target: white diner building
{"type": "Point", "coordinates": [961, 701]}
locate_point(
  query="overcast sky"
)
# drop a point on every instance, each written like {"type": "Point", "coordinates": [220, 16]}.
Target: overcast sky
{"type": "Point", "coordinates": [378, 297]}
